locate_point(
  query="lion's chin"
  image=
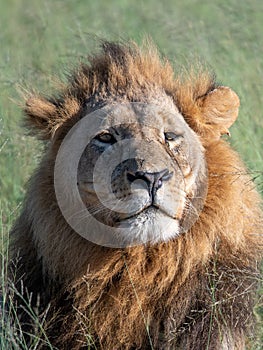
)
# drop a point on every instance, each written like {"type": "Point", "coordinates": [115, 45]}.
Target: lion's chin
{"type": "Point", "coordinates": [149, 226]}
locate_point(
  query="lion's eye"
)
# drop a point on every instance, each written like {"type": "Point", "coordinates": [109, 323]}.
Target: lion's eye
{"type": "Point", "coordinates": [171, 136]}
{"type": "Point", "coordinates": [106, 137]}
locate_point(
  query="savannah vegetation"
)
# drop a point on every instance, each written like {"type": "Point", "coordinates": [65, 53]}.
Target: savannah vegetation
{"type": "Point", "coordinates": [41, 40]}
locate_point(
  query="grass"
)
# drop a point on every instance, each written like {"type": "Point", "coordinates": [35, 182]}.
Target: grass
{"type": "Point", "coordinates": [40, 39]}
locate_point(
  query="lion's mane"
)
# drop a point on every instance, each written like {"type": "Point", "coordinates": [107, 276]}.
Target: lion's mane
{"type": "Point", "coordinates": [194, 292]}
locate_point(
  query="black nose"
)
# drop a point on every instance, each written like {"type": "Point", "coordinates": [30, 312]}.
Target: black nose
{"type": "Point", "coordinates": [154, 180]}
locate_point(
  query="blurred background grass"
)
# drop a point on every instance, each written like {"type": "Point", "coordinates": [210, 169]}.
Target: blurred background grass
{"type": "Point", "coordinates": [42, 38]}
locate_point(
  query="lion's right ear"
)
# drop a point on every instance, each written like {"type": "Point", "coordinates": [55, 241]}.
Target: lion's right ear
{"type": "Point", "coordinates": [41, 116]}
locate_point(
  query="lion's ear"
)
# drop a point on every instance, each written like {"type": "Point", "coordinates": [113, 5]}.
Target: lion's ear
{"type": "Point", "coordinates": [40, 117]}
{"type": "Point", "coordinates": [219, 109]}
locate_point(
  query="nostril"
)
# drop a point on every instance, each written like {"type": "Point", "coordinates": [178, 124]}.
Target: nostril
{"type": "Point", "coordinates": [131, 177]}
{"type": "Point", "coordinates": [140, 174]}
{"type": "Point", "coordinates": [159, 178]}
{"type": "Point", "coordinates": [166, 175]}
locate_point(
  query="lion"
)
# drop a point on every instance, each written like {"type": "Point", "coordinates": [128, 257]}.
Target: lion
{"type": "Point", "coordinates": [163, 251]}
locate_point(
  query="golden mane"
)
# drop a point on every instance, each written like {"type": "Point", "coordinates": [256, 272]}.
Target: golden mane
{"type": "Point", "coordinates": [120, 71]}
{"type": "Point", "coordinates": [169, 295]}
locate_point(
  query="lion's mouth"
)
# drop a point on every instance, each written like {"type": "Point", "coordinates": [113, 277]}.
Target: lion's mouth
{"type": "Point", "coordinates": [149, 211]}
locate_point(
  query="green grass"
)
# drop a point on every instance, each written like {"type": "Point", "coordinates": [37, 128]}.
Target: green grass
{"type": "Point", "coordinates": [42, 38]}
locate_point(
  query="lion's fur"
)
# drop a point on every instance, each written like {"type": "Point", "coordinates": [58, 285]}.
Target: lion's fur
{"type": "Point", "coordinates": [194, 292]}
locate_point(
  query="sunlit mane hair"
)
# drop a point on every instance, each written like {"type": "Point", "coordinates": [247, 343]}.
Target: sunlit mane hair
{"type": "Point", "coordinates": [121, 71]}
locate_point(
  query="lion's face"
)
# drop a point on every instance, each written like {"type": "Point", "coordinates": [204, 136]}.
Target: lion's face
{"type": "Point", "coordinates": [131, 172]}
{"type": "Point", "coordinates": [144, 171]}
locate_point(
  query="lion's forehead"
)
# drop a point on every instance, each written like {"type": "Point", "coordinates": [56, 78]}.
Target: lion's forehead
{"type": "Point", "coordinates": [143, 118]}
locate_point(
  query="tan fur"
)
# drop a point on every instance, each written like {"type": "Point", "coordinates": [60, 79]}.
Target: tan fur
{"type": "Point", "coordinates": [194, 292]}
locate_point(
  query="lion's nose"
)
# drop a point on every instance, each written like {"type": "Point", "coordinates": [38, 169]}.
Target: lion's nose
{"type": "Point", "coordinates": [154, 180]}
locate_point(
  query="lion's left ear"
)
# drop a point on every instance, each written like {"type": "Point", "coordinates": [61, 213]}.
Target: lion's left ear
{"type": "Point", "coordinates": [219, 109]}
